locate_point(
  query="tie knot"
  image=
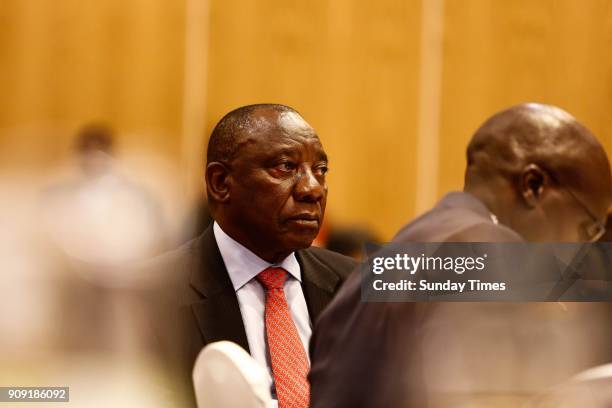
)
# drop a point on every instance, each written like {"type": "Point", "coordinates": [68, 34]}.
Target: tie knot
{"type": "Point", "coordinates": [272, 278]}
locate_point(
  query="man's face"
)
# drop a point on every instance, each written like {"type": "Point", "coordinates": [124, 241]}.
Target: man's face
{"type": "Point", "coordinates": [570, 215]}
{"type": "Point", "coordinates": [277, 184]}
{"type": "Point", "coordinates": [583, 209]}
{"type": "Point", "coordinates": [575, 219]}
{"type": "Point", "coordinates": [607, 237]}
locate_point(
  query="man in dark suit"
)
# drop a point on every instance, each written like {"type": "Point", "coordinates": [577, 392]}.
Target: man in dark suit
{"type": "Point", "coordinates": [534, 173]}
{"type": "Point", "coordinates": [251, 277]}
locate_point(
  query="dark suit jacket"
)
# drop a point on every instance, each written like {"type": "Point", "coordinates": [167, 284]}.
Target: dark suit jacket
{"type": "Point", "coordinates": [366, 354]}
{"type": "Point", "coordinates": [450, 353]}
{"type": "Point", "coordinates": [194, 303]}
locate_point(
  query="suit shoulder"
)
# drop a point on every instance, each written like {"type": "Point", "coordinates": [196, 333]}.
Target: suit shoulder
{"type": "Point", "coordinates": [168, 269]}
{"type": "Point", "coordinates": [485, 232]}
{"type": "Point", "coordinates": [341, 264]}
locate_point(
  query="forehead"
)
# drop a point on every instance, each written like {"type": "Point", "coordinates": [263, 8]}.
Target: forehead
{"type": "Point", "coordinates": [292, 122]}
{"type": "Point", "coordinates": [270, 131]}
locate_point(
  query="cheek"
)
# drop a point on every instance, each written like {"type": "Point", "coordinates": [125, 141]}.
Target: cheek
{"type": "Point", "coordinates": [266, 199]}
{"type": "Point", "coordinates": [567, 226]}
{"type": "Point", "coordinates": [277, 198]}
{"type": "Point", "coordinates": [570, 233]}
{"type": "Point", "coordinates": [562, 219]}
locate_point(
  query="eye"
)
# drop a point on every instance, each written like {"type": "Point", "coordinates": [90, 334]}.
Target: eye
{"type": "Point", "coordinates": [286, 166]}
{"type": "Point", "coordinates": [321, 170]}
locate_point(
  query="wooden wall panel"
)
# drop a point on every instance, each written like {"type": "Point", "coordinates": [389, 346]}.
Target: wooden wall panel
{"type": "Point", "coordinates": [63, 63]}
{"type": "Point", "coordinates": [500, 53]}
{"type": "Point", "coordinates": [351, 67]}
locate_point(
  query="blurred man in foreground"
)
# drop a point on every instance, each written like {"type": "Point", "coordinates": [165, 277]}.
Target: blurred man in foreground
{"type": "Point", "coordinates": [250, 277]}
{"type": "Point", "coordinates": [534, 173]}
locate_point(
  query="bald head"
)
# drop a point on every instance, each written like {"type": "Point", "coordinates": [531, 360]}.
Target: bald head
{"type": "Point", "coordinates": [228, 135]}
{"type": "Point", "coordinates": [540, 134]}
{"type": "Point", "coordinates": [531, 147]}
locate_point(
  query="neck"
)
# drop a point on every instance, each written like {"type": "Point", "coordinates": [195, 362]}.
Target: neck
{"type": "Point", "coordinates": [491, 200]}
{"type": "Point", "coordinates": [270, 256]}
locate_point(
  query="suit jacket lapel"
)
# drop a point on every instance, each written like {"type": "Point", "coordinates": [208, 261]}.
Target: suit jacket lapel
{"type": "Point", "coordinates": [319, 283]}
{"type": "Point", "coordinates": [217, 313]}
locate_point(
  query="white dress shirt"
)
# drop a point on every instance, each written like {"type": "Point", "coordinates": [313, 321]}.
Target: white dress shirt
{"type": "Point", "coordinates": [243, 266]}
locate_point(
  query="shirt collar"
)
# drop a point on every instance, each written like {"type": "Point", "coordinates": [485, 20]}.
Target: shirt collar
{"type": "Point", "coordinates": [494, 218]}
{"type": "Point", "coordinates": [243, 265]}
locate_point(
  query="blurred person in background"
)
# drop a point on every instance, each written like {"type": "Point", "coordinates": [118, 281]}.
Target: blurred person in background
{"type": "Point", "coordinates": [535, 174]}
{"type": "Point", "coordinates": [96, 223]}
{"type": "Point", "coordinates": [102, 217]}
{"type": "Point", "coordinates": [252, 272]}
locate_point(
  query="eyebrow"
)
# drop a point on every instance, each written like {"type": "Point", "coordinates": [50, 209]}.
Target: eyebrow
{"type": "Point", "coordinates": [282, 151]}
{"type": "Point", "coordinates": [321, 156]}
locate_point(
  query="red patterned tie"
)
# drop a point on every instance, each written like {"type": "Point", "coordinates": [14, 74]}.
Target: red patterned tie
{"type": "Point", "coordinates": [289, 361]}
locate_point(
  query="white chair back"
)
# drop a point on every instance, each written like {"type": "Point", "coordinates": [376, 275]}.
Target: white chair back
{"type": "Point", "coordinates": [226, 376]}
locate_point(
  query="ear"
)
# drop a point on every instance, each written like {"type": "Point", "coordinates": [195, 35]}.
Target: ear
{"type": "Point", "coordinates": [533, 182]}
{"type": "Point", "coordinates": [218, 182]}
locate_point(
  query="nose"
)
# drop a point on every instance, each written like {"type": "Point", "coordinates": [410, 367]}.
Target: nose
{"type": "Point", "coordinates": [309, 188]}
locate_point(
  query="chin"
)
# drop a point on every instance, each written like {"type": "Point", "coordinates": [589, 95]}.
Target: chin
{"type": "Point", "coordinates": [301, 240]}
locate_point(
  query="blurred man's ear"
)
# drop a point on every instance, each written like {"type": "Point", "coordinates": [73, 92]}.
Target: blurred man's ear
{"type": "Point", "coordinates": [533, 180]}
{"type": "Point", "coordinates": [218, 182]}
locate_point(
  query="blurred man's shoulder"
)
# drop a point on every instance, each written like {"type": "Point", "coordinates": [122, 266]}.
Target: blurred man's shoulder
{"type": "Point", "coordinates": [485, 232]}
{"type": "Point", "coordinates": [458, 217]}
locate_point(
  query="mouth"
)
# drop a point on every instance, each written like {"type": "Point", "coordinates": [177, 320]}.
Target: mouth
{"type": "Point", "coordinates": [309, 220]}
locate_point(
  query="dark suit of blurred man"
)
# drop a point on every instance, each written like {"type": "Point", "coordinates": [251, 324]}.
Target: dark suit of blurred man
{"type": "Point", "coordinates": [534, 173]}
